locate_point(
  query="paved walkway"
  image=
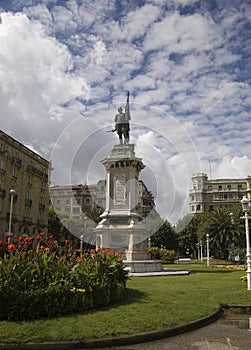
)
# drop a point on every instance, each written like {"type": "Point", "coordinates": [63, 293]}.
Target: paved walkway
{"type": "Point", "coordinates": [216, 336]}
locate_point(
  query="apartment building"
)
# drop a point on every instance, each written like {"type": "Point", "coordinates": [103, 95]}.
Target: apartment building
{"type": "Point", "coordinates": [27, 173]}
{"type": "Point", "coordinates": [75, 200]}
{"type": "Point", "coordinates": [208, 195]}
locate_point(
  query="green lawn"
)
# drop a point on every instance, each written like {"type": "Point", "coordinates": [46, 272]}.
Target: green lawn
{"type": "Point", "coordinates": [151, 303]}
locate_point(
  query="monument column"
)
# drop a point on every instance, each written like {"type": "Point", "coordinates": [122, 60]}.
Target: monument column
{"type": "Point", "coordinates": [121, 226]}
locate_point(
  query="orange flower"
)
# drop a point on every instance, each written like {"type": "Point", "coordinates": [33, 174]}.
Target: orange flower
{"type": "Point", "coordinates": [11, 247]}
{"type": "Point", "coordinates": [79, 260]}
{"type": "Point", "coordinates": [99, 249]}
{"type": "Point", "coordinates": [47, 249]}
{"type": "Point", "coordinates": [92, 251]}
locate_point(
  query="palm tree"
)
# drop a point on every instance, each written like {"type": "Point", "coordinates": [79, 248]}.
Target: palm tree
{"type": "Point", "coordinates": [224, 229]}
{"type": "Point", "coordinates": [94, 214]}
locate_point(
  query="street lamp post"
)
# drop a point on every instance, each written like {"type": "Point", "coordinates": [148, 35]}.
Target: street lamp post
{"type": "Point", "coordinates": [198, 247]}
{"type": "Point", "coordinates": [12, 194]}
{"type": "Point", "coordinates": [201, 252]}
{"type": "Point", "coordinates": [81, 245]}
{"type": "Point", "coordinates": [245, 208]}
{"type": "Point", "coordinates": [208, 257]}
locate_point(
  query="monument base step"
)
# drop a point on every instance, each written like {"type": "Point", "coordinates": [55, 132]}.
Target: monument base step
{"type": "Point", "coordinates": [143, 266]}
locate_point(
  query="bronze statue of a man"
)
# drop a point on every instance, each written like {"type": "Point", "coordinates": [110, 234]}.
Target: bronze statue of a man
{"type": "Point", "coordinates": [122, 123]}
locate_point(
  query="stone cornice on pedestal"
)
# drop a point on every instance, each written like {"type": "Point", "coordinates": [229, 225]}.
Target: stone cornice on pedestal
{"type": "Point", "coordinates": [121, 156]}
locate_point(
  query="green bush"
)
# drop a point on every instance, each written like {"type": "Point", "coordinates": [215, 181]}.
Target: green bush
{"type": "Point", "coordinates": [40, 284]}
{"type": "Point", "coordinates": [166, 256]}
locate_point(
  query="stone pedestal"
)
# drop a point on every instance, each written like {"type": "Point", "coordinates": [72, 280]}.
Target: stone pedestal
{"type": "Point", "coordinates": [121, 227]}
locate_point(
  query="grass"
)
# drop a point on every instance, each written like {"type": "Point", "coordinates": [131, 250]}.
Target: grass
{"type": "Point", "coordinates": [150, 304]}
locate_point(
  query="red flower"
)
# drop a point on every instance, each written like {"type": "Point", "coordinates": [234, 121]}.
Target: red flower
{"type": "Point", "coordinates": [7, 235]}
{"type": "Point", "coordinates": [66, 241]}
{"type": "Point", "coordinates": [92, 251]}
{"type": "Point", "coordinates": [42, 234]}
{"type": "Point", "coordinates": [11, 247]}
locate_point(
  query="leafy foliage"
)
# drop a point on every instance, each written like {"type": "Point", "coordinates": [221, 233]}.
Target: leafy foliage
{"type": "Point", "coordinates": [165, 237]}
{"type": "Point", "coordinates": [46, 282]}
{"type": "Point", "coordinates": [188, 234]}
{"type": "Point", "coordinates": [166, 256]}
{"type": "Point", "coordinates": [226, 230]}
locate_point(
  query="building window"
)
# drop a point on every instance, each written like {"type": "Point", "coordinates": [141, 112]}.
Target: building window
{"type": "Point", "coordinates": [87, 200]}
{"type": "Point", "coordinates": [219, 187]}
{"type": "Point", "coordinates": [229, 187]}
{"type": "Point", "coordinates": [14, 172]}
{"type": "Point", "coordinates": [210, 188]}
{"type": "Point", "coordinates": [68, 201]}
{"type": "Point", "coordinates": [211, 207]}
{"type": "Point", "coordinates": [76, 210]}
{"type": "Point", "coordinates": [198, 207]}
{"type": "Point", "coordinates": [239, 187]}
{"type": "Point", "coordinates": [58, 201]}
{"type": "Point", "coordinates": [29, 179]}
{"type": "Point", "coordinates": [1, 164]}
{"type": "Point", "coordinates": [210, 197]}
{"type": "Point", "coordinates": [225, 196]}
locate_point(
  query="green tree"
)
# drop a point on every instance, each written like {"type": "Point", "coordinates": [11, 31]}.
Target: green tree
{"type": "Point", "coordinates": [187, 230]}
{"type": "Point", "coordinates": [165, 237]}
{"type": "Point", "coordinates": [225, 230]}
{"type": "Point", "coordinates": [94, 214]}
{"type": "Point", "coordinates": [55, 226]}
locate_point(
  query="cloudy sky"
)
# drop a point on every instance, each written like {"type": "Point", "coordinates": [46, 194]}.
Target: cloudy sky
{"type": "Point", "coordinates": [65, 68]}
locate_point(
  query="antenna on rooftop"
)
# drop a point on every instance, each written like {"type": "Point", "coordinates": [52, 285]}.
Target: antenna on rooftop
{"type": "Point", "coordinates": [210, 171]}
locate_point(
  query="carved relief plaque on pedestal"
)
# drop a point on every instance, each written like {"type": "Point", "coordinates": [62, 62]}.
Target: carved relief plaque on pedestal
{"type": "Point", "coordinates": [119, 189]}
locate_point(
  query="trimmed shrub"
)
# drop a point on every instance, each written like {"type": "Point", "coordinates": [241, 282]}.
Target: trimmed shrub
{"type": "Point", "coordinates": [166, 256]}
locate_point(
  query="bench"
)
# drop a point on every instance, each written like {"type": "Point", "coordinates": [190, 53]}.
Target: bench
{"type": "Point", "coordinates": [184, 261]}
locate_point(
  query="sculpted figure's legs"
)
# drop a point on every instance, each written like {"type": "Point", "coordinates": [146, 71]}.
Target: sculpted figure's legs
{"type": "Point", "coordinates": [120, 138]}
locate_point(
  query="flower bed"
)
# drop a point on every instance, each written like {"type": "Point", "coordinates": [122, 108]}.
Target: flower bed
{"type": "Point", "coordinates": [40, 279]}
{"type": "Point", "coordinates": [231, 267]}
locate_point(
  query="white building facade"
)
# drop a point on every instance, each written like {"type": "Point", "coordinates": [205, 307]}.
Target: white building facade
{"type": "Point", "coordinates": [208, 195]}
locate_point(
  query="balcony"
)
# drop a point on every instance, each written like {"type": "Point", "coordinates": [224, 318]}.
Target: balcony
{"type": "Point", "coordinates": [41, 223]}
{"type": "Point", "coordinates": [41, 206]}
{"type": "Point", "coordinates": [27, 220]}
{"type": "Point", "coordinates": [32, 169]}
{"type": "Point", "coordinates": [17, 161]}
{"type": "Point", "coordinates": [2, 192]}
{"type": "Point", "coordinates": [28, 202]}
